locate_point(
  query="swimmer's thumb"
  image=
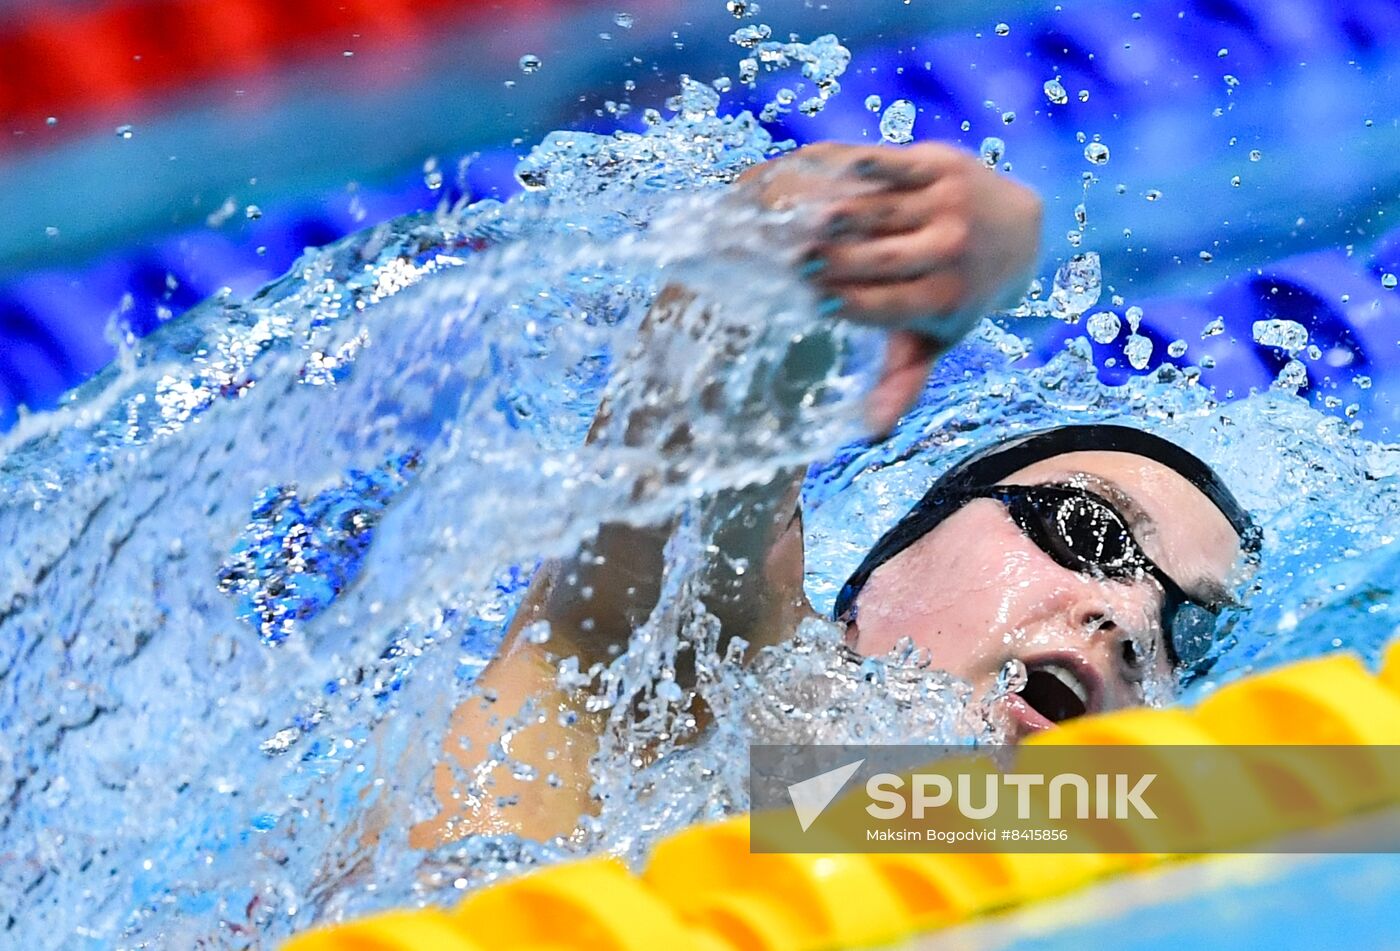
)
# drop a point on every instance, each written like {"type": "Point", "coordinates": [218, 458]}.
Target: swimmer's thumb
{"type": "Point", "coordinates": [909, 357]}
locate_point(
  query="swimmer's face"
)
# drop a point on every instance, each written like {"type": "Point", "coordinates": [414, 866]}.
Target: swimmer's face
{"type": "Point", "coordinates": [976, 592]}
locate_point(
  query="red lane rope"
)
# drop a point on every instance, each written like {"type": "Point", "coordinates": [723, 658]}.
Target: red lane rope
{"type": "Point", "coordinates": [73, 61]}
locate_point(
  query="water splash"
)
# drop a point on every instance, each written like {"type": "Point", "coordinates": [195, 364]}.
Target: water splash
{"type": "Point", "coordinates": [369, 457]}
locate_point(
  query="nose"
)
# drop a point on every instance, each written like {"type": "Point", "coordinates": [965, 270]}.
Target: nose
{"type": "Point", "coordinates": [1124, 656]}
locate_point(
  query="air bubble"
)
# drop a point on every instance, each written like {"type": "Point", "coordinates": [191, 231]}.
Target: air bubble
{"type": "Point", "coordinates": [1096, 152]}
{"type": "Point", "coordinates": [1003, 29]}
{"type": "Point", "coordinates": [1255, 155]}
{"type": "Point", "coordinates": [1213, 329]}
{"type": "Point", "coordinates": [125, 131]}
{"type": "Point", "coordinates": [1388, 281]}
{"type": "Point", "coordinates": [1055, 91]}
{"type": "Point", "coordinates": [1153, 194]}
{"type": "Point", "coordinates": [1177, 348]}
{"type": "Point", "coordinates": [623, 20]}
{"type": "Point", "coordinates": [873, 103]}
{"type": "Point", "coordinates": [530, 63]}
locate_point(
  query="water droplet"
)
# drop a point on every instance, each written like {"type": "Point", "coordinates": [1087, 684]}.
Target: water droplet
{"type": "Point", "coordinates": [1364, 382]}
{"type": "Point", "coordinates": [1213, 329]}
{"type": "Point", "coordinates": [1153, 194]}
{"type": "Point", "coordinates": [1008, 117]}
{"type": "Point", "coordinates": [623, 20]}
{"type": "Point", "coordinates": [722, 84]}
{"type": "Point", "coordinates": [897, 124]}
{"type": "Point", "coordinates": [873, 103]}
{"type": "Point", "coordinates": [1293, 375]}
{"type": "Point", "coordinates": [530, 63]}
{"type": "Point", "coordinates": [1138, 350]}
{"type": "Point", "coordinates": [1223, 52]}
{"type": "Point", "coordinates": [739, 8]}
{"type": "Point", "coordinates": [1077, 286]}
{"type": "Point", "coordinates": [992, 150]}
{"type": "Point", "coordinates": [1231, 80]}
{"type": "Point", "coordinates": [1096, 152]}
{"type": "Point", "coordinates": [1255, 155]}
{"type": "Point", "coordinates": [1134, 315]}
{"type": "Point", "coordinates": [252, 212]}
{"type": "Point", "coordinates": [1388, 281]}
{"type": "Point", "coordinates": [1055, 91]}
{"type": "Point", "coordinates": [1207, 256]}
{"type": "Point", "coordinates": [1177, 348]}
{"type": "Point", "coordinates": [1287, 335]}
{"type": "Point", "coordinates": [125, 131]}
{"type": "Point", "coordinates": [51, 121]}
{"type": "Point", "coordinates": [1012, 677]}
{"type": "Point", "coordinates": [51, 231]}
{"type": "Point", "coordinates": [1003, 29]}
{"type": "Point", "coordinates": [1083, 95]}
{"type": "Point", "coordinates": [1104, 326]}
{"type": "Point", "coordinates": [1235, 181]}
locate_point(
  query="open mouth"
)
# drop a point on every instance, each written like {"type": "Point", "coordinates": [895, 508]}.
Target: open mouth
{"type": "Point", "coordinates": [1056, 691]}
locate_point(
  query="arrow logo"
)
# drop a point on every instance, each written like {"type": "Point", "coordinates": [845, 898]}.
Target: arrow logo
{"type": "Point", "coordinates": [811, 796]}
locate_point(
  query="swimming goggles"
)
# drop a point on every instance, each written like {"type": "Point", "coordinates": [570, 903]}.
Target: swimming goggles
{"type": "Point", "coordinates": [1191, 629]}
{"type": "Point", "coordinates": [1083, 532]}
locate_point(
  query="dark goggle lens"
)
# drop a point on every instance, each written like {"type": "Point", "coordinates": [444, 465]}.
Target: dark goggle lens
{"type": "Point", "coordinates": [1080, 533]}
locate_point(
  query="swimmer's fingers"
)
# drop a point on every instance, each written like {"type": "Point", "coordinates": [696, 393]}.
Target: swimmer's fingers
{"type": "Point", "coordinates": [940, 243]}
{"type": "Point", "coordinates": [895, 212]}
{"type": "Point", "coordinates": [827, 171]}
{"type": "Point", "coordinates": [927, 300]}
{"type": "Point", "coordinates": [914, 166]}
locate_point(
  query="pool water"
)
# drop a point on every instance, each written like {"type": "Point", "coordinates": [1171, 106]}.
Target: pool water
{"type": "Point", "coordinates": [249, 570]}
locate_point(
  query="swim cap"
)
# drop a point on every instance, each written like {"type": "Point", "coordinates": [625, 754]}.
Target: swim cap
{"type": "Point", "coordinates": [992, 465]}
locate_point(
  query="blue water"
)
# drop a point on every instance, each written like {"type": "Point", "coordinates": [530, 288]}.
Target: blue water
{"type": "Point", "coordinates": [248, 571]}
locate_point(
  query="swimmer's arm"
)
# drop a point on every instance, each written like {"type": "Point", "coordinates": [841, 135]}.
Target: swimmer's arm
{"type": "Point", "coordinates": [589, 605]}
{"type": "Point", "coordinates": [936, 242]}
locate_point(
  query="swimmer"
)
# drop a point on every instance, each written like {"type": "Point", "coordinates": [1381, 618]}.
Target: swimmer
{"type": "Point", "coordinates": [1097, 556]}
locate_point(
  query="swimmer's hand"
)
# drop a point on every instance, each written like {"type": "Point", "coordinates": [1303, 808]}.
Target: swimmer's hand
{"type": "Point", "coordinates": [924, 240]}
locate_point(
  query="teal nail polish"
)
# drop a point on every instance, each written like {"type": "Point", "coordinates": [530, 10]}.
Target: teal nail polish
{"type": "Point", "coordinates": [867, 168]}
{"type": "Point", "coordinates": [813, 267]}
{"type": "Point", "coordinates": [830, 305]}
